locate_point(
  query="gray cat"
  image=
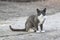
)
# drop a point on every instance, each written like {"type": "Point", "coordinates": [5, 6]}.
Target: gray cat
{"type": "Point", "coordinates": [33, 21]}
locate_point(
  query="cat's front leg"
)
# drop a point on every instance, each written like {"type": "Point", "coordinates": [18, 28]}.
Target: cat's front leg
{"type": "Point", "coordinates": [41, 27]}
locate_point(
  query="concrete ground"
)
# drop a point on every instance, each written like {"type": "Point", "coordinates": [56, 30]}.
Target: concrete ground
{"type": "Point", "coordinates": [15, 14]}
{"type": "Point", "coordinates": [51, 27]}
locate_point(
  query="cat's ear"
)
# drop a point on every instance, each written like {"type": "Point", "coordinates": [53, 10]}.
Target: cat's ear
{"type": "Point", "coordinates": [44, 10]}
{"type": "Point", "coordinates": [38, 10]}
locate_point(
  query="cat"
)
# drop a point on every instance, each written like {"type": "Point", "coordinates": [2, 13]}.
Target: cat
{"type": "Point", "coordinates": [33, 21]}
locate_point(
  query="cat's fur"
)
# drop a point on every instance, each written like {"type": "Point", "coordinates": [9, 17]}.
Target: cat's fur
{"type": "Point", "coordinates": [33, 21]}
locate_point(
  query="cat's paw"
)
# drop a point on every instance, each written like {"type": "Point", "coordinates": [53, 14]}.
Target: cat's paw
{"type": "Point", "coordinates": [37, 31]}
{"type": "Point", "coordinates": [43, 31]}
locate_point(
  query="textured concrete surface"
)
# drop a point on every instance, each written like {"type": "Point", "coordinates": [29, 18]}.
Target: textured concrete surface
{"type": "Point", "coordinates": [51, 27]}
{"type": "Point", "coordinates": [15, 14]}
{"type": "Point", "coordinates": [14, 10]}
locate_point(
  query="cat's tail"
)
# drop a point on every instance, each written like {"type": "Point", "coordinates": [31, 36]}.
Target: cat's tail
{"type": "Point", "coordinates": [16, 29]}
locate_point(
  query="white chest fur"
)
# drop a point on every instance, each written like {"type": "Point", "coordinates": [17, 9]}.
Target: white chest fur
{"type": "Point", "coordinates": [41, 19]}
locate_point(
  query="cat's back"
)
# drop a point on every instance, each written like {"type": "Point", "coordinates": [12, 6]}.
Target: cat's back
{"type": "Point", "coordinates": [32, 17]}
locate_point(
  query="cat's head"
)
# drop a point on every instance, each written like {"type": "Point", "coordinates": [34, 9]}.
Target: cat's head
{"type": "Point", "coordinates": [39, 12]}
